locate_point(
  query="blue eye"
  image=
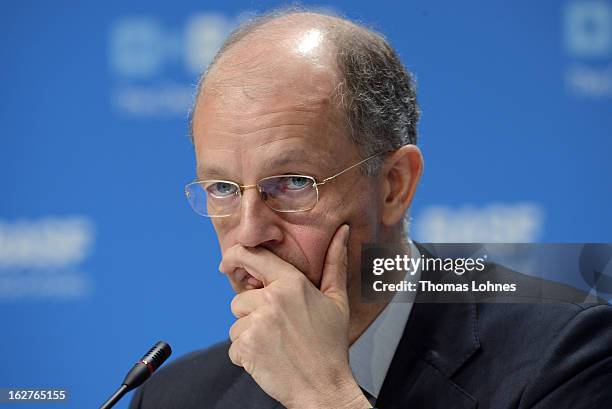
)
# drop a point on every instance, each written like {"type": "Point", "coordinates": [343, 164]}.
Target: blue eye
{"type": "Point", "coordinates": [297, 182]}
{"type": "Point", "coordinates": [221, 189]}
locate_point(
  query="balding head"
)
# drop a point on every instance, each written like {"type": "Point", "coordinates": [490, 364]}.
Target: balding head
{"type": "Point", "coordinates": [371, 90]}
{"type": "Point", "coordinates": [268, 43]}
{"type": "Point", "coordinates": [292, 54]}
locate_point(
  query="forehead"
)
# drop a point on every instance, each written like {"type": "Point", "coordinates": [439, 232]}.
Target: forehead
{"type": "Point", "coordinates": [266, 137]}
{"type": "Point", "coordinates": [258, 119]}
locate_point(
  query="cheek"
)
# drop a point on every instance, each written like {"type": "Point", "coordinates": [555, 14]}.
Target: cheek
{"type": "Point", "coordinates": [313, 245]}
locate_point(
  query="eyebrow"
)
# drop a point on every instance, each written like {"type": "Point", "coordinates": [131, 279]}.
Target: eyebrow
{"type": "Point", "coordinates": [296, 157]}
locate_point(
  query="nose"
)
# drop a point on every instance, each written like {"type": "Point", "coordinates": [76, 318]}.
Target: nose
{"type": "Point", "coordinates": [258, 223]}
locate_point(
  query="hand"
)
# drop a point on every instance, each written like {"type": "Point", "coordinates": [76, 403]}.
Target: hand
{"type": "Point", "coordinates": [291, 337]}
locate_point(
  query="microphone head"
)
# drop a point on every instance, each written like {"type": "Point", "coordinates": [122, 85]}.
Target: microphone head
{"type": "Point", "coordinates": [149, 363]}
{"type": "Point", "coordinates": [157, 355]}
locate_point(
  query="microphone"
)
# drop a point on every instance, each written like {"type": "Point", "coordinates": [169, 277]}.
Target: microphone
{"type": "Point", "coordinates": [140, 372]}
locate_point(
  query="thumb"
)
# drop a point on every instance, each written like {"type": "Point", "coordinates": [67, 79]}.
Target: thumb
{"type": "Point", "coordinates": [333, 278]}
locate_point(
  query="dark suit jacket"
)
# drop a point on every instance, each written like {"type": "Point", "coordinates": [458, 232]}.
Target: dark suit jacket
{"type": "Point", "coordinates": [551, 355]}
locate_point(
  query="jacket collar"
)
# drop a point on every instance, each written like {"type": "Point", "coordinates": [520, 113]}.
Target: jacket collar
{"type": "Point", "coordinates": [438, 340]}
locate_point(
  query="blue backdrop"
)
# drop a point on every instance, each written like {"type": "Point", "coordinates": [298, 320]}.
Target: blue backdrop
{"type": "Point", "coordinates": [100, 254]}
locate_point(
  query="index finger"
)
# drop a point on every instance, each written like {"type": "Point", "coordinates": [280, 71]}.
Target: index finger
{"type": "Point", "coordinates": [261, 263]}
{"type": "Point", "coordinates": [245, 303]}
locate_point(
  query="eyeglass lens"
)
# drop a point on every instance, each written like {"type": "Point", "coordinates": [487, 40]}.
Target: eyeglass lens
{"type": "Point", "coordinates": [286, 193]}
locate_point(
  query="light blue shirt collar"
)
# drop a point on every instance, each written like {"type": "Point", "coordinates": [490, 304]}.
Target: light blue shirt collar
{"type": "Point", "coordinates": [371, 354]}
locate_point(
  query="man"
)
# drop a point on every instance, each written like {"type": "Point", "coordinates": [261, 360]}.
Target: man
{"type": "Point", "coordinates": [304, 130]}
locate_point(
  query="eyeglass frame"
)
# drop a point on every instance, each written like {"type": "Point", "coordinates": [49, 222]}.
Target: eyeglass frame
{"type": "Point", "coordinates": [242, 188]}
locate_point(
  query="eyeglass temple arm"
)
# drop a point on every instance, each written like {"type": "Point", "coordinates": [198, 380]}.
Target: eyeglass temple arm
{"type": "Point", "coordinates": [347, 169]}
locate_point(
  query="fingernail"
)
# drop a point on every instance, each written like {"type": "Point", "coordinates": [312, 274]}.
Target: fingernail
{"type": "Point", "coordinates": [346, 235]}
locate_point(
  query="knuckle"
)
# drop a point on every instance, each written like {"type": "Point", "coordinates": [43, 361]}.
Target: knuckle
{"type": "Point", "coordinates": [246, 343]}
{"type": "Point", "coordinates": [273, 296]}
{"type": "Point", "coordinates": [333, 263]}
{"type": "Point", "coordinates": [241, 252]}
{"type": "Point", "coordinates": [274, 313]}
{"type": "Point", "coordinates": [249, 367]}
{"type": "Point", "coordinates": [303, 285]}
{"type": "Point", "coordinates": [255, 317]}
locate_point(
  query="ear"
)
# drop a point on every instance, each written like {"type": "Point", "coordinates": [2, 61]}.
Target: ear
{"type": "Point", "coordinates": [400, 174]}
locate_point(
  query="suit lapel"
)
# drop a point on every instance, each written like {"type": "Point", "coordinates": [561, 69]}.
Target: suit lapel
{"type": "Point", "coordinates": [438, 339]}
{"type": "Point", "coordinates": [245, 393]}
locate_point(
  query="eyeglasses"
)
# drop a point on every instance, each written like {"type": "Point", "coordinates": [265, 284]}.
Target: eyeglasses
{"type": "Point", "coordinates": [282, 193]}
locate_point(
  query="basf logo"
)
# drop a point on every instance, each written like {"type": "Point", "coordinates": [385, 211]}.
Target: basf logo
{"type": "Point", "coordinates": [491, 223]}
{"type": "Point", "coordinates": [42, 258]}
